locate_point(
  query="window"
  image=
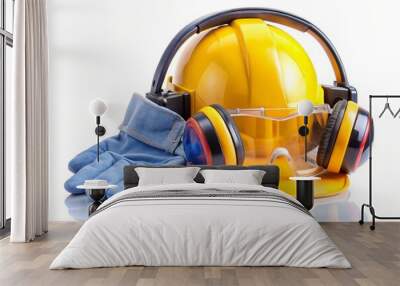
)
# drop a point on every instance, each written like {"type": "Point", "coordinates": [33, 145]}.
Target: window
{"type": "Point", "coordinates": [6, 44]}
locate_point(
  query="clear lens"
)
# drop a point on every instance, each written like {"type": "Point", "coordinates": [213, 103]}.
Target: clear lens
{"type": "Point", "coordinates": [276, 114]}
{"type": "Point", "coordinates": [263, 131]}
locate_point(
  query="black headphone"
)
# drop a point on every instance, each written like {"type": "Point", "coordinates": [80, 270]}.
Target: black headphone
{"type": "Point", "coordinates": [340, 150]}
{"type": "Point", "coordinates": [180, 102]}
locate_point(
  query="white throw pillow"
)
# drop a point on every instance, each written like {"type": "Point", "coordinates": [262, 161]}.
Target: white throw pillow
{"type": "Point", "coordinates": [247, 177]}
{"type": "Point", "coordinates": [166, 176]}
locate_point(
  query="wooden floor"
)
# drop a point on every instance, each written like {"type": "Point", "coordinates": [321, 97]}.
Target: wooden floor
{"type": "Point", "coordinates": [375, 257]}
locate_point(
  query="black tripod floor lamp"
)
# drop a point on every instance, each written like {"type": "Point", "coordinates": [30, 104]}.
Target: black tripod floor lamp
{"type": "Point", "coordinates": [370, 205]}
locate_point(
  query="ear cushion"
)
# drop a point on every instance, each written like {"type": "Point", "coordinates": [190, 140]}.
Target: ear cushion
{"type": "Point", "coordinates": [330, 133]}
{"type": "Point", "coordinates": [223, 134]}
{"type": "Point", "coordinates": [211, 137]}
{"type": "Point", "coordinates": [343, 138]}
{"type": "Point", "coordinates": [233, 131]}
{"type": "Point", "coordinates": [195, 145]}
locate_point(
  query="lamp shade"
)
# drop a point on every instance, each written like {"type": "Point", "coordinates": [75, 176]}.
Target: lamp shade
{"type": "Point", "coordinates": [97, 107]}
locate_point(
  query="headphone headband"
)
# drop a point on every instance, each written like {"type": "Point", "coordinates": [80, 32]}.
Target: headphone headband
{"type": "Point", "coordinates": [226, 17]}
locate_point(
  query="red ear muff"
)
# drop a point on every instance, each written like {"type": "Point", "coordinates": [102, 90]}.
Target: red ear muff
{"type": "Point", "coordinates": [359, 144]}
{"type": "Point", "coordinates": [233, 131]}
{"type": "Point", "coordinates": [199, 137]}
{"type": "Point", "coordinates": [345, 141]}
{"type": "Point", "coordinates": [211, 137]}
{"type": "Point", "coordinates": [195, 144]}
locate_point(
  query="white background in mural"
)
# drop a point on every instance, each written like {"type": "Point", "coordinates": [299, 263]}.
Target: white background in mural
{"type": "Point", "coordinates": [109, 49]}
{"type": "Point", "coordinates": [386, 159]}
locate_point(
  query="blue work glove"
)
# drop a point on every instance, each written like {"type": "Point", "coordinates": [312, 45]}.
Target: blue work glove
{"type": "Point", "coordinates": [149, 135]}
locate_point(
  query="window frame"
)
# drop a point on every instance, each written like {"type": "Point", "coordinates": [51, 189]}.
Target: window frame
{"type": "Point", "coordinates": [6, 39]}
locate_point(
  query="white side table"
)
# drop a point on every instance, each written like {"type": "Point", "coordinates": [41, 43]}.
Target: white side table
{"type": "Point", "coordinates": [305, 190]}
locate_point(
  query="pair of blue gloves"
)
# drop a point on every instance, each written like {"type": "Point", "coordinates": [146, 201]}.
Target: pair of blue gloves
{"type": "Point", "coordinates": [149, 135]}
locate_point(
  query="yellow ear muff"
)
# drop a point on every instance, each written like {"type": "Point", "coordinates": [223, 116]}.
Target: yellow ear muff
{"type": "Point", "coordinates": [224, 137]}
{"type": "Point", "coordinates": [343, 137]}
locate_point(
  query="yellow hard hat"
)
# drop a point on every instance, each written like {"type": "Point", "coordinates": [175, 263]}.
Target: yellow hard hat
{"type": "Point", "coordinates": [248, 63]}
{"type": "Point", "coordinates": [236, 61]}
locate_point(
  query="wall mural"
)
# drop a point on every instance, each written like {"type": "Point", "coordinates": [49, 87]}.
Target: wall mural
{"type": "Point", "coordinates": [245, 93]}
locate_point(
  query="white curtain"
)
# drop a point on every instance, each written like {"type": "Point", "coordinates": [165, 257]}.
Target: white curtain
{"type": "Point", "coordinates": [27, 158]}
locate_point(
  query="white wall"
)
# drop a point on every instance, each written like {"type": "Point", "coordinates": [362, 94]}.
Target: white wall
{"type": "Point", "coordinates": [109, 49]}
